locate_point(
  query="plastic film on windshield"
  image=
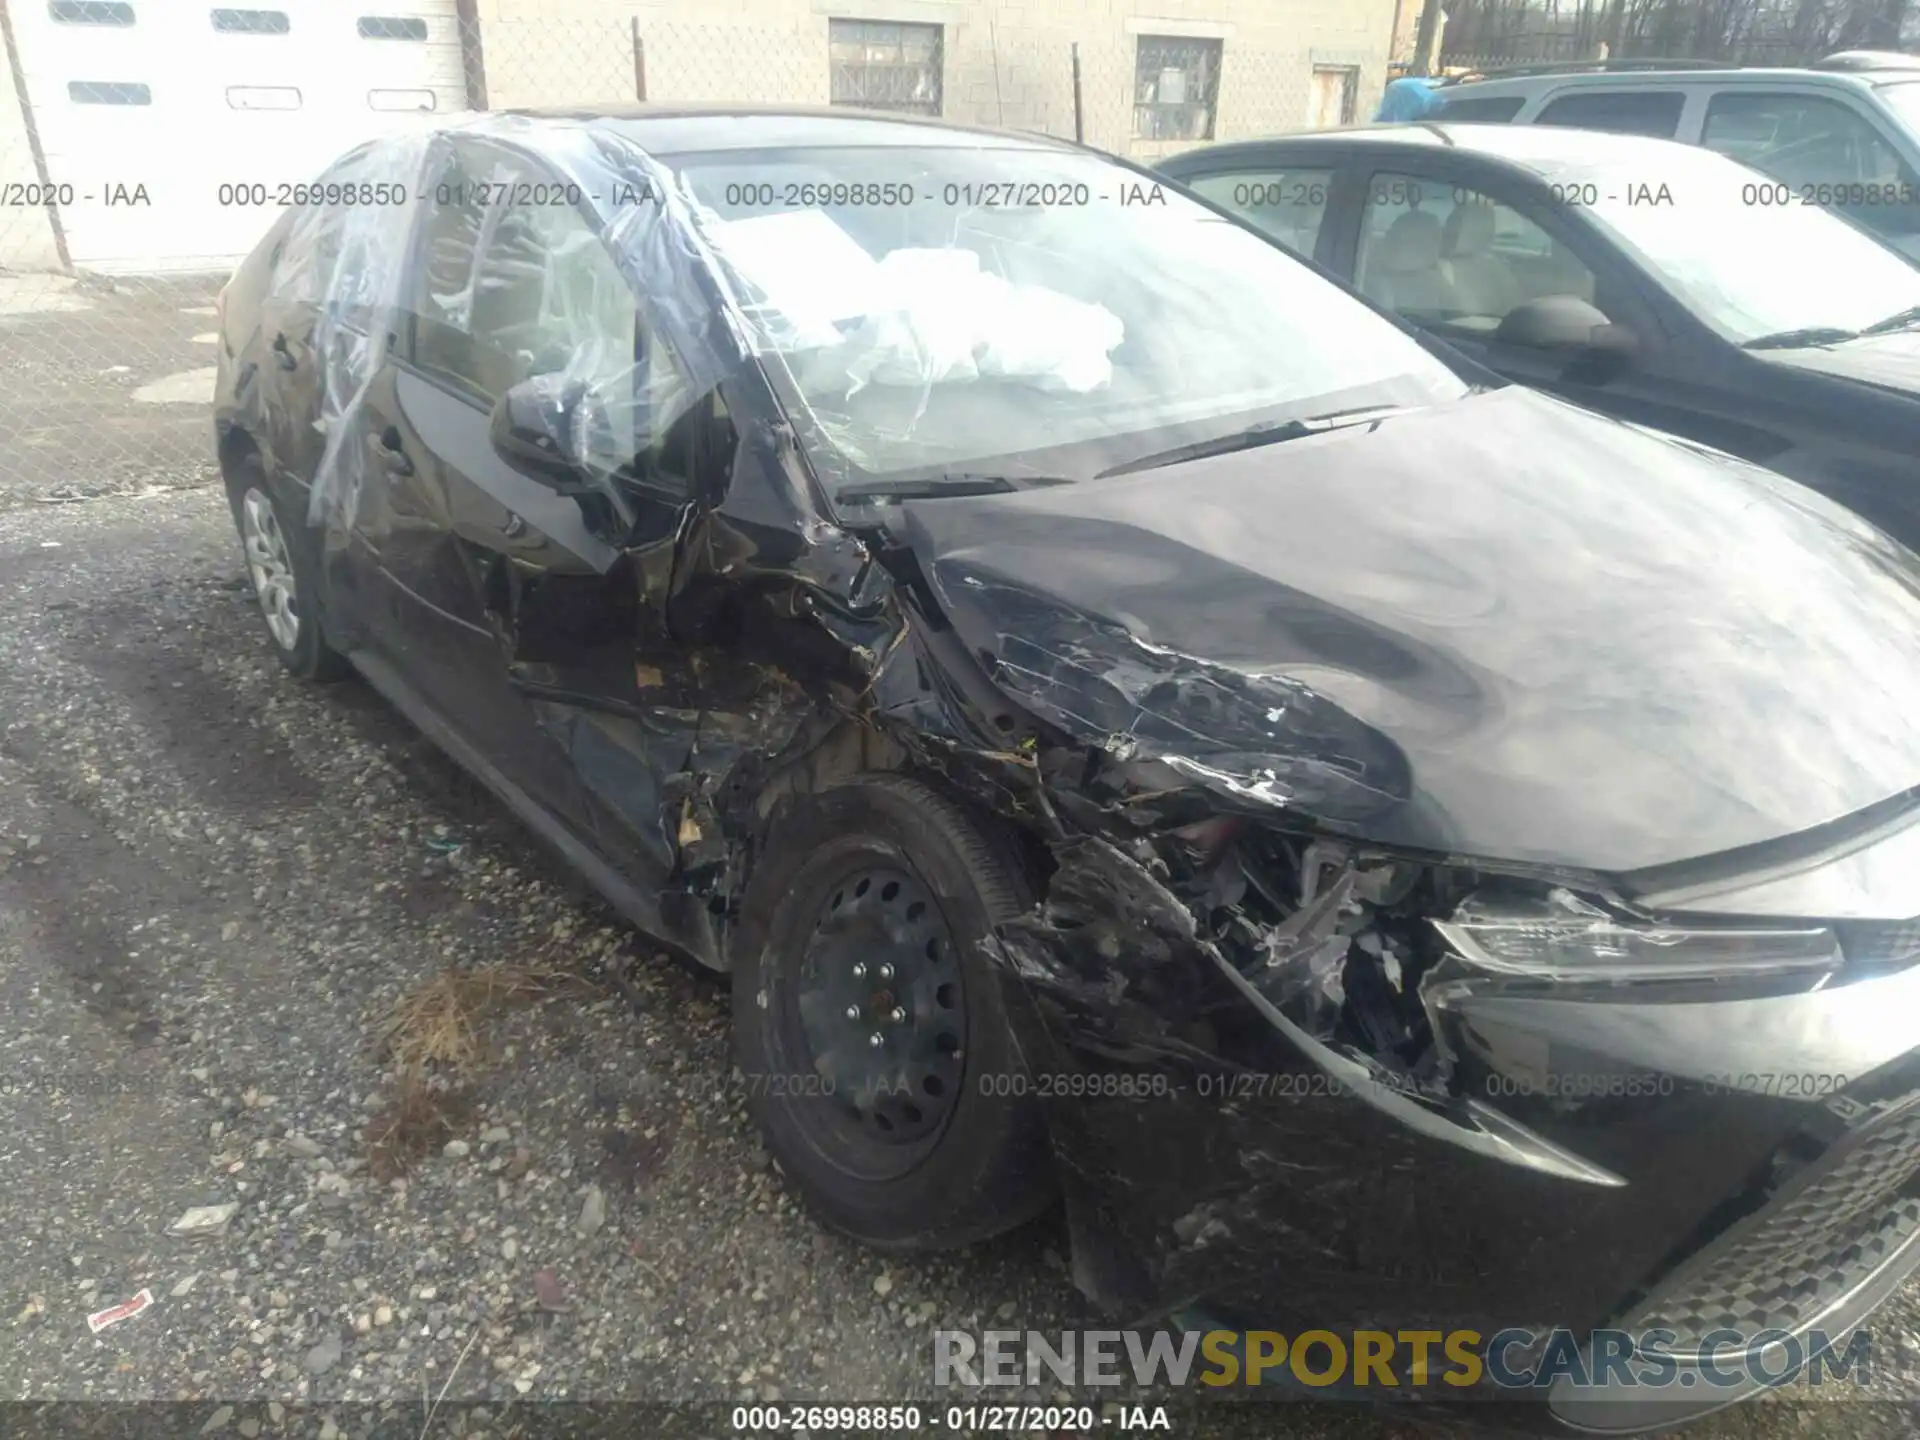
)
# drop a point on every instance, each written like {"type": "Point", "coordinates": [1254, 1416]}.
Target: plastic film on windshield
{"type": "Point", "coordinates": [871, 330]}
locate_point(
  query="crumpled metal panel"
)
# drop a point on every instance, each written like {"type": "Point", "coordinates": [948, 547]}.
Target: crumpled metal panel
{"type": "Point", "coordinates": [1262, 737]}
{"type": "Point", "coordinates": [1737, 657]}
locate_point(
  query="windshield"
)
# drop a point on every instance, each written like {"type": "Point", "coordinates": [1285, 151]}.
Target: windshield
{"type": "Point", "coordinates": [1727, 238]}
{"type": "Point", "coordinates": [1011, 310]}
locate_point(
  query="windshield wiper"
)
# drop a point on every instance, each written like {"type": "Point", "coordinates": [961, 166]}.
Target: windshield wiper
{"type": "Point", "coordinates": [940, 487]}
{"type": "Point", "coordinates": [1257, 436]}
{"type": "Point", "coordinates": [1796, 339]}
{"type": "Point", "coordinates": [1905, 320]}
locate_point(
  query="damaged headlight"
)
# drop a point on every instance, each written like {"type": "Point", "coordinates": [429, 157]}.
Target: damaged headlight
{"type": "Point", "coordinates": [1562, 937]}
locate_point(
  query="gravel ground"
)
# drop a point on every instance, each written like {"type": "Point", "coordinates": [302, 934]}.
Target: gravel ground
{"type": "Point", "coordinates": [215, 883]}
{"type": "Point", "coordinates": [74, 357]}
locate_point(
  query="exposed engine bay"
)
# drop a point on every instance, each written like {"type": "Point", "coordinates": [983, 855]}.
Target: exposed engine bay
{"type": "Point", "coordinates": [1338, 943]}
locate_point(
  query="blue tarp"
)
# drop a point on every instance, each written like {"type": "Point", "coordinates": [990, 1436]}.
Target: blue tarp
{"type": "Point", "coordinates": [1413, 97]}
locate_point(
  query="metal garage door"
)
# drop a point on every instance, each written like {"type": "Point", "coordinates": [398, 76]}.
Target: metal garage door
{"type": "Point", "coordinates": [148, 108]}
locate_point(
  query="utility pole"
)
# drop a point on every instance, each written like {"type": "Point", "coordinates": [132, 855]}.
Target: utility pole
{"type": "Point", "coordinates": [1427, 40]}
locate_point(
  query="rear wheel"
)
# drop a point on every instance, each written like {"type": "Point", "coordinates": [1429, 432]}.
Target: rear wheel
{"type": "Point", "coordinates": [285, 581]}
{"type": "Point", "coordinates": [871, 1028]}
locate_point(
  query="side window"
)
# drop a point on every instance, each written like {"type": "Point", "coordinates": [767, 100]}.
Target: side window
{"type": "Point", "coordinates": [1483, 110]}
{"type": "Point", "coordinates": [1448, 256]}
{"type": "Point", "coordinates": [1286, 204]}
{"type": "Point", "coordinates": [439, 299]}
{"type": "Point", "coordinates": [1827, 152]}
{"type": "Point", "coordinates": [1625, 112]}
{"type": "Point", "coordinates": [512, 282]}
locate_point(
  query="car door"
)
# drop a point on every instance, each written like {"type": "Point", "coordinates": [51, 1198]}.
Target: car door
{"type": "Point", "coordinates": [534, 620]}
{"type": "Point", "coordinates": [1825, 151]}
{"type": "Point", "coordinates": [1456, 252]}
{"type": "Point", "coordinates": [306, 251]}
{"type": "Point", "coordinates": [445, 517]}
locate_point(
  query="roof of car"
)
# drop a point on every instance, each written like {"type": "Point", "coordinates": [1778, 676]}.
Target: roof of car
{"type": "Point", "coordinates": [1856, 60]}
{"type": "Point", "coordinates": [1539, 149]}
{"type": "Point", "coordinates": [1531, 80]}
{"type": "Point", "coordinates": [670, 129]}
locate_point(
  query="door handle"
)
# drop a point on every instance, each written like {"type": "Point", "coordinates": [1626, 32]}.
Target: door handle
{"type": "Point", "coordinates": [392, 454]}
{"type": "Point", "coordinates": [287, 362]}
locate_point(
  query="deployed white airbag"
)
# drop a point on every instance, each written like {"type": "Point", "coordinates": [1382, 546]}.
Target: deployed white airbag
{"type": "Point", "coordinates": [937, 316]}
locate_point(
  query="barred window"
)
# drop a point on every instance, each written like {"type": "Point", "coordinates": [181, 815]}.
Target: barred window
{"type": "Point", "coordinates": [880, 66]}
{"type": "Point", "coordinates": [1176, 82]}
{"type": "Point", "coordinates": [252, 22]}
{"type": "Point", "coordinates": [90, 12]}
{"type": "Point", "coordinates": [391, 27]}
{"type": "Point", "coordinates": [108, 92]}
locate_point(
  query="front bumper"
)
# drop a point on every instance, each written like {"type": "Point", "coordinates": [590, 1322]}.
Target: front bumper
{"type": "Point", "coordinates": [1836, 1236]}
{"type": "Point", "coordinates": [1731, 1158]}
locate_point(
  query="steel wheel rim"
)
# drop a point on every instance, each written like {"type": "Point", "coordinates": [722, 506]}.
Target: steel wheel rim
{"type": "Point", "coordinates": [879, 1010]}
{"type": "Point", "coordinates": [271, 567]}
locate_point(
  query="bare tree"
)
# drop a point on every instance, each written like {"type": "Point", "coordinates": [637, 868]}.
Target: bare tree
{"type": "Point", "coordinates": [1781, 31]}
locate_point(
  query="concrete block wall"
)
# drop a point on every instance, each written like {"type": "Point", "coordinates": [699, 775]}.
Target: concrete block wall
{"type": "Point", "coordinates": [1006, 62]}
{"type": "Point", "coordinates": [571, 59]}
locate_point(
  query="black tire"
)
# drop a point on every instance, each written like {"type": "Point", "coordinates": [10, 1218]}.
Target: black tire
{"type": "Point", "coordinates": [987, 1168]}
{"type": "Point", "coordinates": [308, 656]}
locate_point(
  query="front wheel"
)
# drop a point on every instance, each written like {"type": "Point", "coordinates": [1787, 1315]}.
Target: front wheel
{"type": "Point", "coordinates": [285, 581]}
{"type": "Point", "coordinates": [870, 1027]}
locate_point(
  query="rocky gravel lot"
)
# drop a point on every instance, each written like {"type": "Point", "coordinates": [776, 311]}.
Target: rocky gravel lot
{"type": "Point", "coordinates": [87, 369]}
{"type": "Point", "coordinates": [216, 885]}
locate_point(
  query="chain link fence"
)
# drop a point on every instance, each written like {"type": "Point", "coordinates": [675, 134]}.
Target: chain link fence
{"type": "Point", "coordinates": [139, 163]}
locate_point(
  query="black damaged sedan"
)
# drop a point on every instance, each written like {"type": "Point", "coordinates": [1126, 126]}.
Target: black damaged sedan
{"type": "Point", "coordinates": [1138, 726]}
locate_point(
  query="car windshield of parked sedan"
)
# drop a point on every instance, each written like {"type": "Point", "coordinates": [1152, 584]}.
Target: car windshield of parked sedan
{"type": "Point", "coordinates": [1744, 251]}
{"type": "Point", "coordinates": [1013, 310]}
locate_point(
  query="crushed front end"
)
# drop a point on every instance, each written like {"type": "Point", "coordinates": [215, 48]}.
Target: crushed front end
{"type": "Point", "coordinates": [1297, 1081]}
{"type": "Point", "coordinates": [1433, 943]}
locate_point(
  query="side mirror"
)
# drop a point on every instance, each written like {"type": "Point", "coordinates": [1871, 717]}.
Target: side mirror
{"type": "Point", "coordinates": [1566, 323]}
{"type": "Point", "coordinates": [536, 429]}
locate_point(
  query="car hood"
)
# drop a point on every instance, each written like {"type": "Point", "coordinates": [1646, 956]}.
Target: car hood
{"type": "Point", "coordinates": [1501, 628]}
{"type": "Point", "coordinates": [1887, 362]}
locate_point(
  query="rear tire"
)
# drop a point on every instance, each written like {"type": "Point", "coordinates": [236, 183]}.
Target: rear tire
{"type": "Point", "coordinates": [880, 1064]}
{"type": "Point", "coordinates": [285, 578]}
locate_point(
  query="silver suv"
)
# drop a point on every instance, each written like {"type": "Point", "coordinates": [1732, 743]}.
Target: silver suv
{"type": "Point", "coordinates": [1844, 133]}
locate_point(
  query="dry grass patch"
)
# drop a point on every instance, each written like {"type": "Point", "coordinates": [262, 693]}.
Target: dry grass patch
{"type": "Point", "coordinates": [443, 1021]}
{"type": "Point", "coordinates": [436, 1036]}
{"type": "Point", "coordinates": [422, 1117]}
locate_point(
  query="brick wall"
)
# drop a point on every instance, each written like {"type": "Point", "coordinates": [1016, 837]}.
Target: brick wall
{"type": "Point", "coordinates": [1007, 62]}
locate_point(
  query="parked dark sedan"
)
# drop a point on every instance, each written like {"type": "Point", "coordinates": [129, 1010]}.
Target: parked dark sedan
{"type": "Point", "coordinates": [1646, 279]}
{"type": "Point", "coordinates": [1137, 724]}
